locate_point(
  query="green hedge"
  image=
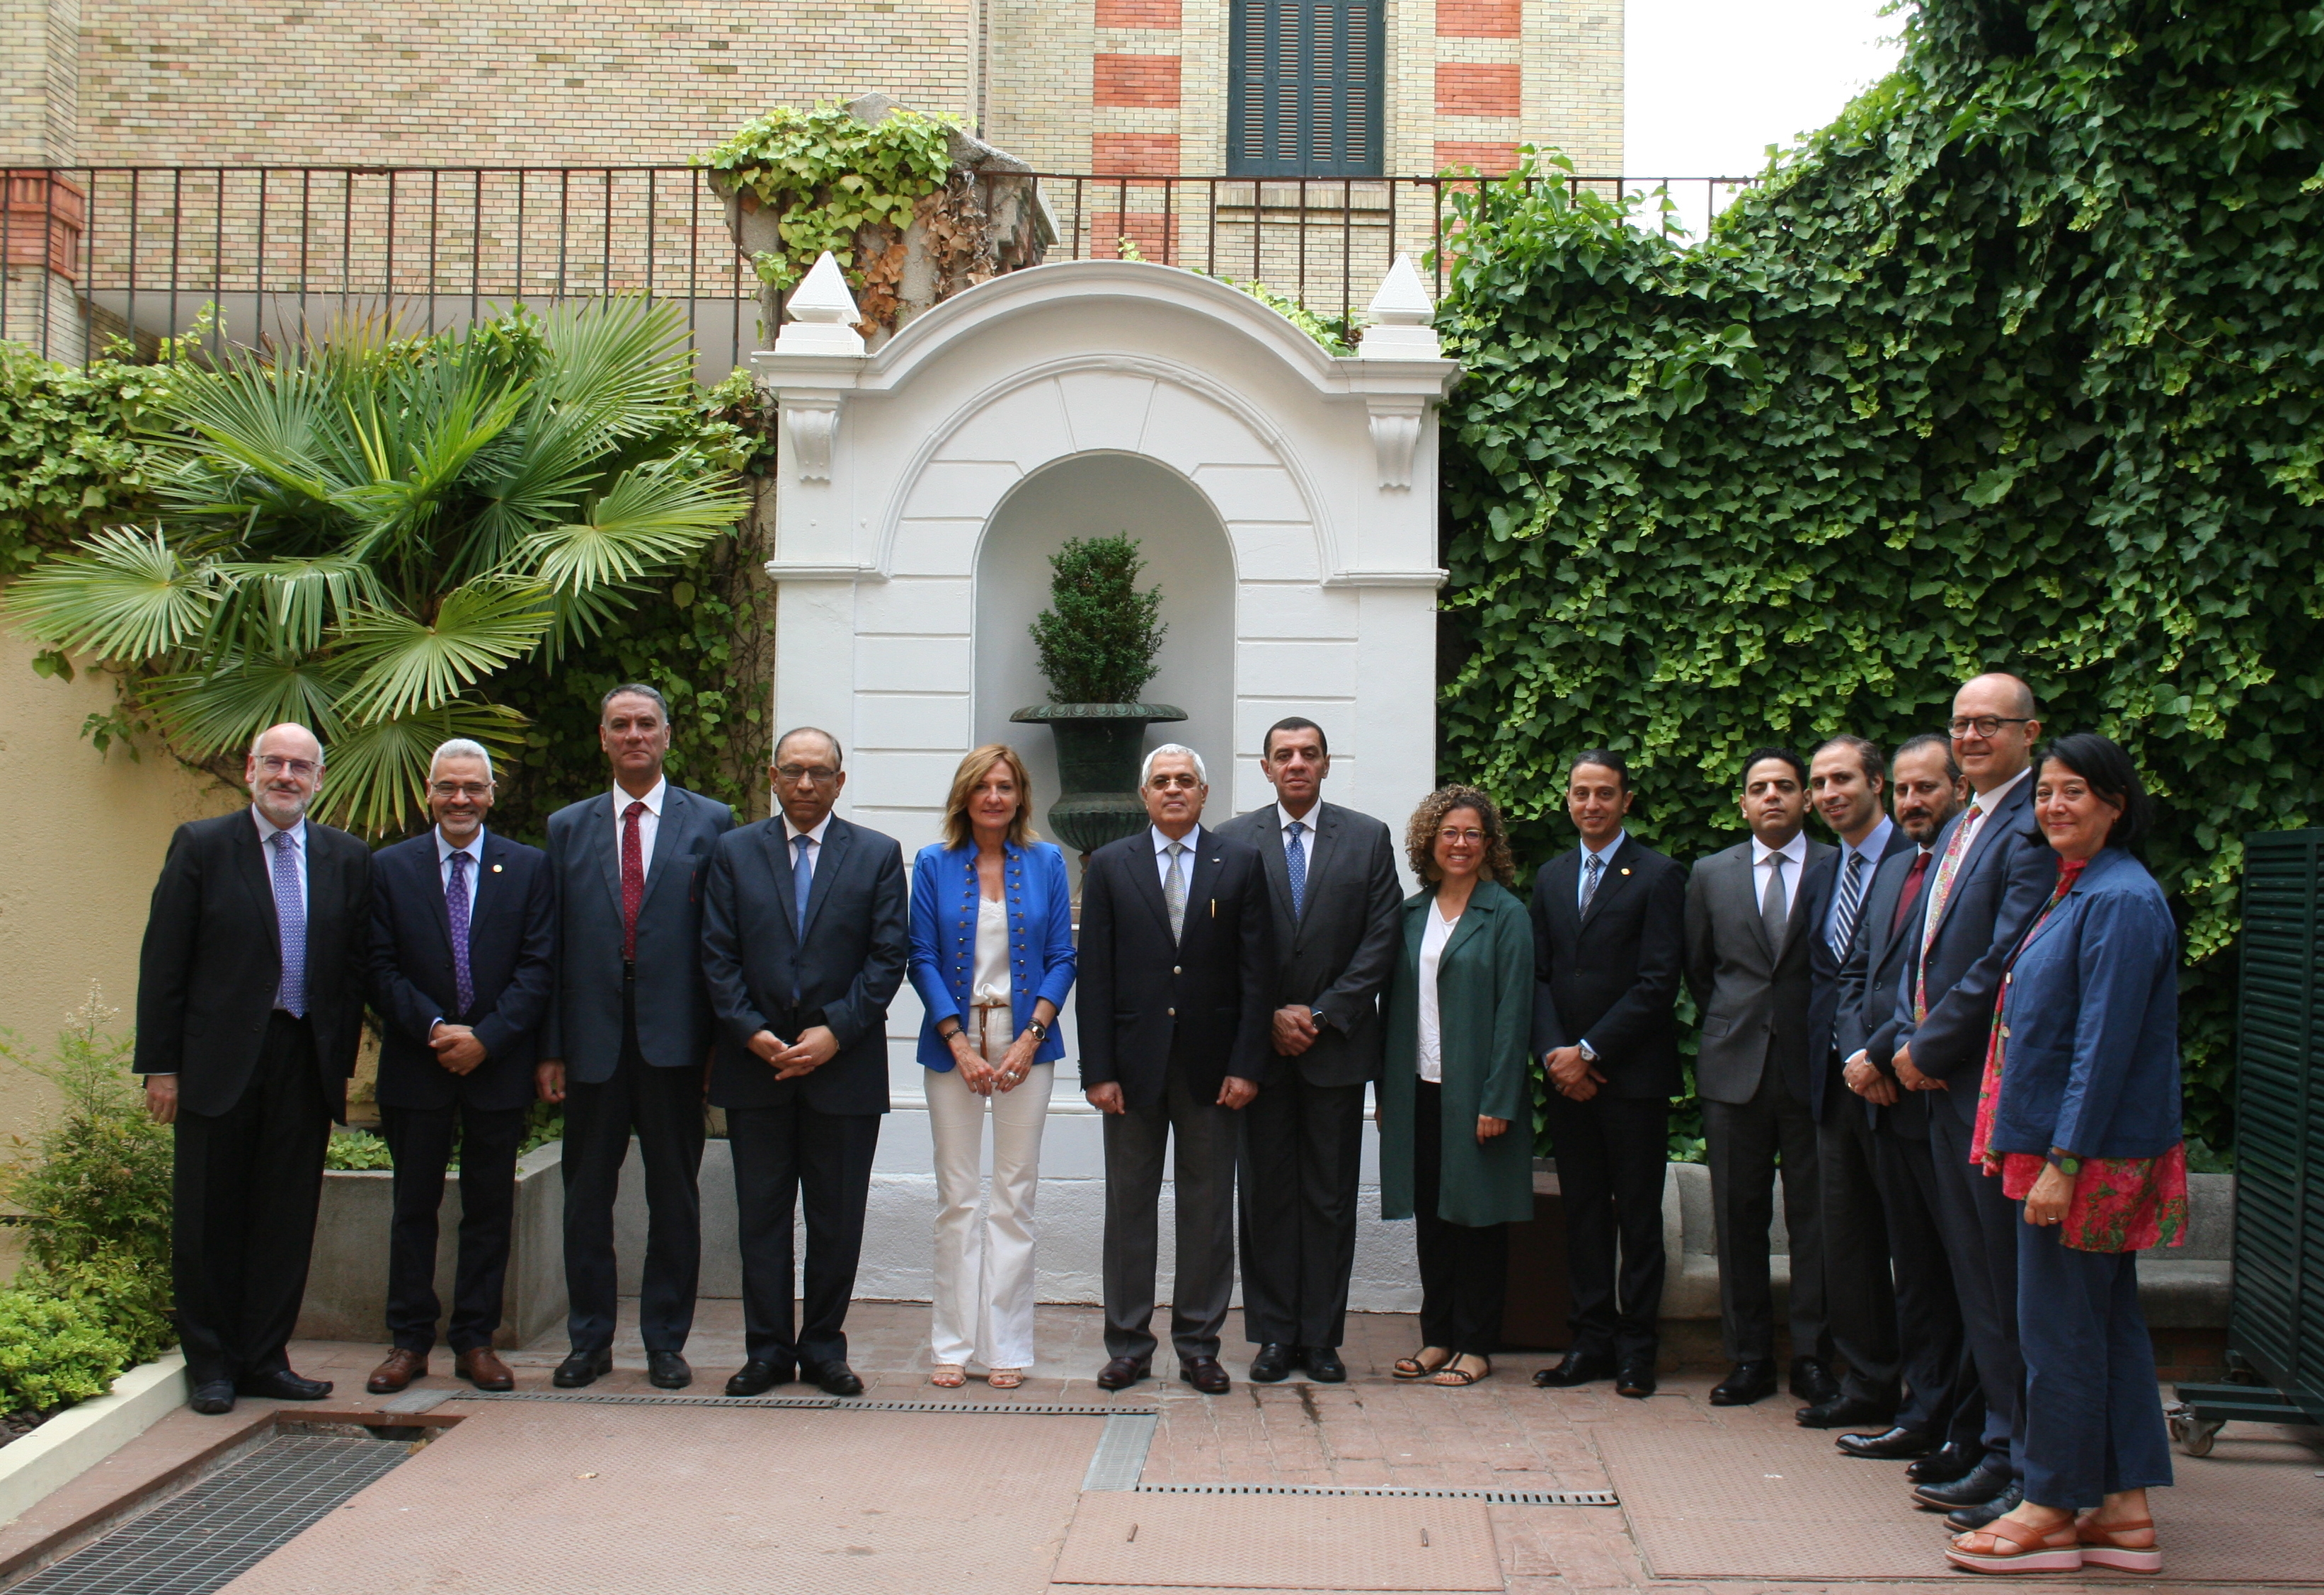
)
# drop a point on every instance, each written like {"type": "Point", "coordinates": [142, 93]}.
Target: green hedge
{"type": "Point", "coordinates": [2014, 367]}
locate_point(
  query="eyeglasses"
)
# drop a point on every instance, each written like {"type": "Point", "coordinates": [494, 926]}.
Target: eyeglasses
{"type": "Point", "coordinates": [1184, 782]}
{"type": "Point", "coordinates": [1984, 725]}
{"type": "Point", "coordinates": [1471, 837]}
{"type": "Point", "coordinates": [447, 790]}
{"type": "Point", "coordinates": [817, 773]}
{"type": "Point", "coordinates": [275, 764]}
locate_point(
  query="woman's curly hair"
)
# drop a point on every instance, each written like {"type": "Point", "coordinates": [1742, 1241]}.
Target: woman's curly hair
{"type": "Point", "coordinates": [1420, 835]}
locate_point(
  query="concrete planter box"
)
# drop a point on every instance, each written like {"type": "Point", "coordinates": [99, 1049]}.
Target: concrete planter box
{"type": "Point", "coordinates": [346, 1284]}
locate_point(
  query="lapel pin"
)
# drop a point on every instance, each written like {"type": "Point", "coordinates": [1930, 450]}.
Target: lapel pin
{"type": "Point", "coordinates": [496, 868]}
{"type": "Point", "coordinates": [1625, 870]}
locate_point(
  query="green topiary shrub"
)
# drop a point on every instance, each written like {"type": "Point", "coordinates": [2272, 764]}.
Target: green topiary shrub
{"type": "Point", "coordinates": [1099, 637]}
{"type": "Point", "coordinates": [55, 1351]}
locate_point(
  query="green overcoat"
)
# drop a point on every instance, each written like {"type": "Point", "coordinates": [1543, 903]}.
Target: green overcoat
{"type": "Point", "coordinates": [1484, 1005]}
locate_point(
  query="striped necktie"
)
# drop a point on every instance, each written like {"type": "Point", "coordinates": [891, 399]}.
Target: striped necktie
{"type": "Point", "coordinates": [1852, 897]}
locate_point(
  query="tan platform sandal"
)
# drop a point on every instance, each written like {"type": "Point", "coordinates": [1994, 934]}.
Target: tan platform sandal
{"type": "Point", "coordinates": [947, 1376]}
{"type": "Point", "coordinates": [1005, 1379]}
{"type": "Point", "coordinates": [2055, 1549]}
{"type": "Point", "coordinates": [2102, 1545]}
{"type": "Point", "coordinates": [1414, 1366]}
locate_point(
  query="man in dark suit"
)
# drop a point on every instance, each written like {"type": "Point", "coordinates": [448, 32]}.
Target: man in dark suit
{"type": "Point", "coordinates": [1844, 783]}
{"type": "Point", "coordinates": [1752, 912]}
{"type": "Point", "coordinates": [1177, 960]}
{"type": "Point", "coordinates": [627, 1036]}
{"type": "Point", "coordinates": [464, 955]}
{"type": "Point", "coordinates": [805, 938]}
{"type": "Point", "coordinates": [1942, 1413]}
{"type": "Point", "coordinates": [1609, 944]}
{"type": "Point", "coordinates": [1333, 888]}
{"type": "Point", "coordinates": [250, 994]}
{"type": "Point", "coordinates": [1990, 877]}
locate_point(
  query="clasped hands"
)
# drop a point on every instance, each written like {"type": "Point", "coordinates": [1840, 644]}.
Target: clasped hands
{"type": "Point", "coordinates": [457, 1046]}
{"type": "Point", "coordinates": [1575, 1077]}
{"type": "Point", "coordinates": [1868, 1082]}
{"type": "Point", "coordinates": [985, 1078]}
{"type": "Point", "coordinates": [816, 1047]}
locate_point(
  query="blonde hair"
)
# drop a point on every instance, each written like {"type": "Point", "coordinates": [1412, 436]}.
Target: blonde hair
{"type": "Point", "coordinates": [957, 830]}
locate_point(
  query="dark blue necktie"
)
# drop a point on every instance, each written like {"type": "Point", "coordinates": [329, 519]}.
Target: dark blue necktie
{"type": "Point", "coordinates": [1294, 859]}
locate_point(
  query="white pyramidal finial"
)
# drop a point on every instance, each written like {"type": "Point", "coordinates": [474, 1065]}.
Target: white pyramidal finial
{"type": "Point", "coordinates": [822, 315]}
{"type": "Point", "coordinates": [1401, 314]}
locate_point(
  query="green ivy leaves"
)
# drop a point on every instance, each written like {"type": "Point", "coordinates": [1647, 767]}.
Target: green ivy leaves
{"type": "Point", "coordinates": [828, 175]}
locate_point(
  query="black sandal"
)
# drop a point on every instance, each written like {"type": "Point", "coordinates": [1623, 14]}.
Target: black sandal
{"type": "Point", "coordinates": [1459, 1378]}
{"type": "Point", "coordinates": [1413, 1368]}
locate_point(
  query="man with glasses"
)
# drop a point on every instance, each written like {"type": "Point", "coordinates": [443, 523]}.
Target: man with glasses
{"type": "Point", "coordinates": [250, 994]}
{"type": "Point", "coordinates": [627, 1036]}
{"type": "Point", "coordinates": [1177, 964]}
{"type": "Point", "coordinates": [805, 937]}
{"type": "Point", "coordinates": [463, 956]}
{"type": "Point", "coordinates": [1990, 875]}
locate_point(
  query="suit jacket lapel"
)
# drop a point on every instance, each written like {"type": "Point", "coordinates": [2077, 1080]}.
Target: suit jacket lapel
{"type": "Point", "coordinates": [1323, 835]}
{"type": "Point", "coordinates": [665, 840]}
{"type": "Point", "coordinates": [776, 843]}
{"type": "Point", "coordinates": [1795, 921]}
{"type": "Point", "coordinates": [1479, 903]}
{"type": "Point", "coordinates": [1202, 879]}
{"type": "Point", "coordinates": [1146, 879]}
{"type": "Point", "coordinates": [1746, 886]}
{"type": "Point", "coordinates": [250, 864]}
{"type": "Point", "coordinates": [1987, 831]}
{"type": "Point", "coordinates": [431, 877]}
{"type": "Point", "coordinates": [607, 843]}
{"type": "Point", "coordinates": [1278, 873]}
{"type": "Point", "coordinates": [829, 859]}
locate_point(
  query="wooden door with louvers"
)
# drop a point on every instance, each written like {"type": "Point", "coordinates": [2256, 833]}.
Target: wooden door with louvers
{"type": "Point", "coordinates": [1304, 87]}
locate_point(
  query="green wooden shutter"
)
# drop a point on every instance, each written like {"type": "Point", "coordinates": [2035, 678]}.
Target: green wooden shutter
{"type": "Point", "coordinates": [1304, 87]}
{"type": "Point", "coordinates": [2277, 1320]}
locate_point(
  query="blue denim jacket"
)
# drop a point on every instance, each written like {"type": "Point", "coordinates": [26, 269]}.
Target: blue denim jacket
{"type": "Point", "coordinates": [943, 938]}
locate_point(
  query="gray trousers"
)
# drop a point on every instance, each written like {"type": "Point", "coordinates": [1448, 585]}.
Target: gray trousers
{"type": "Point", "coordinates": [1203, 1168]}
{"type": "Point", "coordinates": [1860, 1292]}
{"type": "Point", "coordinates": [1743, 1142]}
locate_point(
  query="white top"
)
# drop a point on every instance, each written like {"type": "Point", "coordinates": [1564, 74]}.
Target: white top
{"type": "Point", "coordinates": [991, 982]}
{"type": "Point", "coordinates": [649, 822]}
{"type": "Point", "coordinates": [1192, 841]}
{"type": "Point", "coordinates": [1794, 854]}
{"type": "Point", "coordinates": [1439, 931]}
{"type": "Point", "coordinates": [791, 834]}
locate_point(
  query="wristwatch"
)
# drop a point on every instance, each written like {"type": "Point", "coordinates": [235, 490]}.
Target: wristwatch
{"type": "Point", "coordinates": [2065, 1163]}
{"type": "Point", "coordinates": [1588, 1053]}
{"type": "Point", "coordinates": [1038, 1030]}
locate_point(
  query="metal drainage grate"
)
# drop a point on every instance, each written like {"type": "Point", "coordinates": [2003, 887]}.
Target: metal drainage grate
{"type": "Point", "coordinates": [1499, 1497]}
{"type": "Point", "coordinates": [209, 1535]}
{"type": "Point", "coordinates": [1121, 1454]}
{"type": "Point", "coordinates": [1008, 1409]}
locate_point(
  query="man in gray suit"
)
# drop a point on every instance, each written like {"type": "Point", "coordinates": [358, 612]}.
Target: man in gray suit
{"type": "Point", "coordinates": [1752, 912]}
{"type": "Point", "coordinates": [628, 1033]}
{"type": "Point", "coordinates": [1331, 884]}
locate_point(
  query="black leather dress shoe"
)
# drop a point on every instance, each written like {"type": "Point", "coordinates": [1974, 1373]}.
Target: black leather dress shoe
{"type": "Point", "coordinates": [1949, 1461]}
{"type": "Point", "coordinates": [1984, 1512]}
{"type": "Point", "coordinates": [1980, 1484]}
{"type": "Point", "coordinates": [1845, 1412]}
{"type": "Point", "coordinates": [582, 1368]}
{"type": "Point", "coordinates": [1890, 1445]}
{"type": "Point", "coordinates": [1120, 1373]}
{"type": "Point", "coordinates": [282, 1384]}
{"type": "Point", "coordinates": [1273, 1364]}
{"type": "Point", "coordinates": [1323, 1364]}
{"type": "Point", "coordinates": [1575, 1367]}
{"type": "Point", "coordinates": [833, 1379]}
{"type": "Point", "coordinates": [212, 1397]}
{"type": "Point", "coordinates": [757, 1377]}
{"type": "Point", "coordinates": [1812, 1382]}
{"type": "Point", "coordinates": [1744, 1383]}
{"type": "Point", "coordinates": [668, 1370]}
{"type": "Point", "coordinates": [1635, 1378]}
{"type": "Point", "coordinates": [1205, 1375]}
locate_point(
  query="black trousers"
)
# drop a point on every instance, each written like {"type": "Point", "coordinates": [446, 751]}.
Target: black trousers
{"type": "Point", "coordinates": [1464, 1269]}
{"type": "Point", "coordinates": [1613, 1154]}
{"type": "Point", "coordinates": [421, 1141]}
{"type": "Point", "coordinates": [1859, 1296]}
{"type": "Point", "coordinates": [1300, 1156]}
{"type": "Point", "coordinates": [788, 1156]}
{"type": "Point", "coordinates": [1981, 1227]}
{"type": "Point", "coordinates": [1941, 1396]}
{"type": "Point", "coordinates": [663, 1109]}
{"type": "Point", "coordinates": [246, 1189]}
{"type": "Point", "coordinates": [1744, 1141]}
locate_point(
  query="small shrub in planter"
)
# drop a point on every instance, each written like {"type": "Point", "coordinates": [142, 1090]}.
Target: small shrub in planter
{"type": "Point", "coordinates": [1098, 636]}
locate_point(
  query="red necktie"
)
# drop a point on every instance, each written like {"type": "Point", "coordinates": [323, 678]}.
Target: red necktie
{"type": "Point", "coordinates": [633, 880]}
{"type": "Point", "coordinates": [1905, 899]}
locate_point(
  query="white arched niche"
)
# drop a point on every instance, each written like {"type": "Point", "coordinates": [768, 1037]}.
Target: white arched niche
{"type": "Point", "coordinates": [1187, 556]}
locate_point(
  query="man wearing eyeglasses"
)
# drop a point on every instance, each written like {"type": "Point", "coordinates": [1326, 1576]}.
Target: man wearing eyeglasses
{"type": "Point", "coordinates": [464, 958]}
{"type": "Point", "coordinates": [627, 1037]}
{"type": "Point", "coordinates": [250, 996]}
{"type": "Point", "coordinates": [1990, 875]}
{"type": "Point", "coordinates": [805, 936]}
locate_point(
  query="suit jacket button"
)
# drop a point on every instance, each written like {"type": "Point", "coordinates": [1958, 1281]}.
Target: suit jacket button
{"type": "Point", "coordinates": [1173, 1012]}
{"type": "Point", "coordinates": [1175, 970]}
{"type": "Point", "coordinates": [2004, 1032]}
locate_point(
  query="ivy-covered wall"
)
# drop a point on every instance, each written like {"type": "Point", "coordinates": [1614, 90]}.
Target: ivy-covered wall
{"type": "Point", "coordinates": [2014, 367]}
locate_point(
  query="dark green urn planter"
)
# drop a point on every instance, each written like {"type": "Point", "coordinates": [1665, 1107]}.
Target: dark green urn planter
{"type": "Point", "coordinates": [1099, 746]}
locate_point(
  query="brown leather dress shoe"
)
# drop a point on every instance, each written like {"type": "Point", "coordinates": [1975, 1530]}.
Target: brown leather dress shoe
{"type": "Point", "coordinates": [1205, 1375]}
{"type": "Point", "coordinates": [481, 1366]}
{"type": "Point", "coordinates": [400, 1369]}
{"type": "Point", "coordinates": [1120, 1373]}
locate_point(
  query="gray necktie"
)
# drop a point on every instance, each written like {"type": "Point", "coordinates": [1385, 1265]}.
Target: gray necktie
{"type": "Point", "coordinates": [1773, 910]}
{"type": "Point", "coordinates": [1852, 898]}
{"type": "Point", "coordinates": [1589, 873]}
{"type": "Point", "coordinates": [1174, 890]}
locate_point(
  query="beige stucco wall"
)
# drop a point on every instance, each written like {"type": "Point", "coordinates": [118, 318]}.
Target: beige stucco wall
{"type": "Point", "coordinates": [86, 838]}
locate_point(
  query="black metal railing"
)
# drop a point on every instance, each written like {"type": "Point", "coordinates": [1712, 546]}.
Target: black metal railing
{"type": "Point", "coordinates": [96, 256]}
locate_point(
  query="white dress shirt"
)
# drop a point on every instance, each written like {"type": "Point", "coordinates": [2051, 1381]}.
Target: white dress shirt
{"type": "Point", "coordinates": [1191, 840]}
{"type": "Point", "coordinates": [791, 834]}
{"type": "Point", "coordinates": [1794, 854]}
{"type": "Point", "coordinates": [649, 822]}
{"type": "Point", "coordinates": [1436, 931]}
{"type": "Point", "coordinates": [1285, 819]}
{"type": "Point", "coordinates": [1582, 884]}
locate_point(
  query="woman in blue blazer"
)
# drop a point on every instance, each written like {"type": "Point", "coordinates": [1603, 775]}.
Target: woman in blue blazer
{"type": "Point", "coordinates": [2081, 1120]}
{"type": "Point", "coordinates": [993, 958]}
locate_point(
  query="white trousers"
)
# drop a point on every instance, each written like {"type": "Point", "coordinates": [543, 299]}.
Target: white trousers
{"type": "Point", "coordinates": [984, 1268]}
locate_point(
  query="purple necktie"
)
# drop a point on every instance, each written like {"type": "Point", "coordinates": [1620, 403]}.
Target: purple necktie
{"type": "Point", "coordinates": [455, 904]}
{"type": "Point", "coordinates": [290, 925]}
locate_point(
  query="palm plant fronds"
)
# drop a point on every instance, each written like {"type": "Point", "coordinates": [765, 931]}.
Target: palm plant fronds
{"type": "Point", "coordinates": [218, 708]}
{"type": "Point", "coordinates": [405, 665]}
{"type": "Point", "coordinates": [128, 595]}
{"type": "Point", "coordinates": [372, 768]}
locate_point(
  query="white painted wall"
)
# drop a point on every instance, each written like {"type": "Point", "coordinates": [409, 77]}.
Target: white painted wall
{"type": "Point", "coordinates": [1293, 532]}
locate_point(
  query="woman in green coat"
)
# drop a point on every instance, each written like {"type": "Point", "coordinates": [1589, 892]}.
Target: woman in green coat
{"type": "Point", "coordinates": [1456, 1081]}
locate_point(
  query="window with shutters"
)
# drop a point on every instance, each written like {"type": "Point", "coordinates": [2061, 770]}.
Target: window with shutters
{"type": "Point", "coordinates": [1304, 87]}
